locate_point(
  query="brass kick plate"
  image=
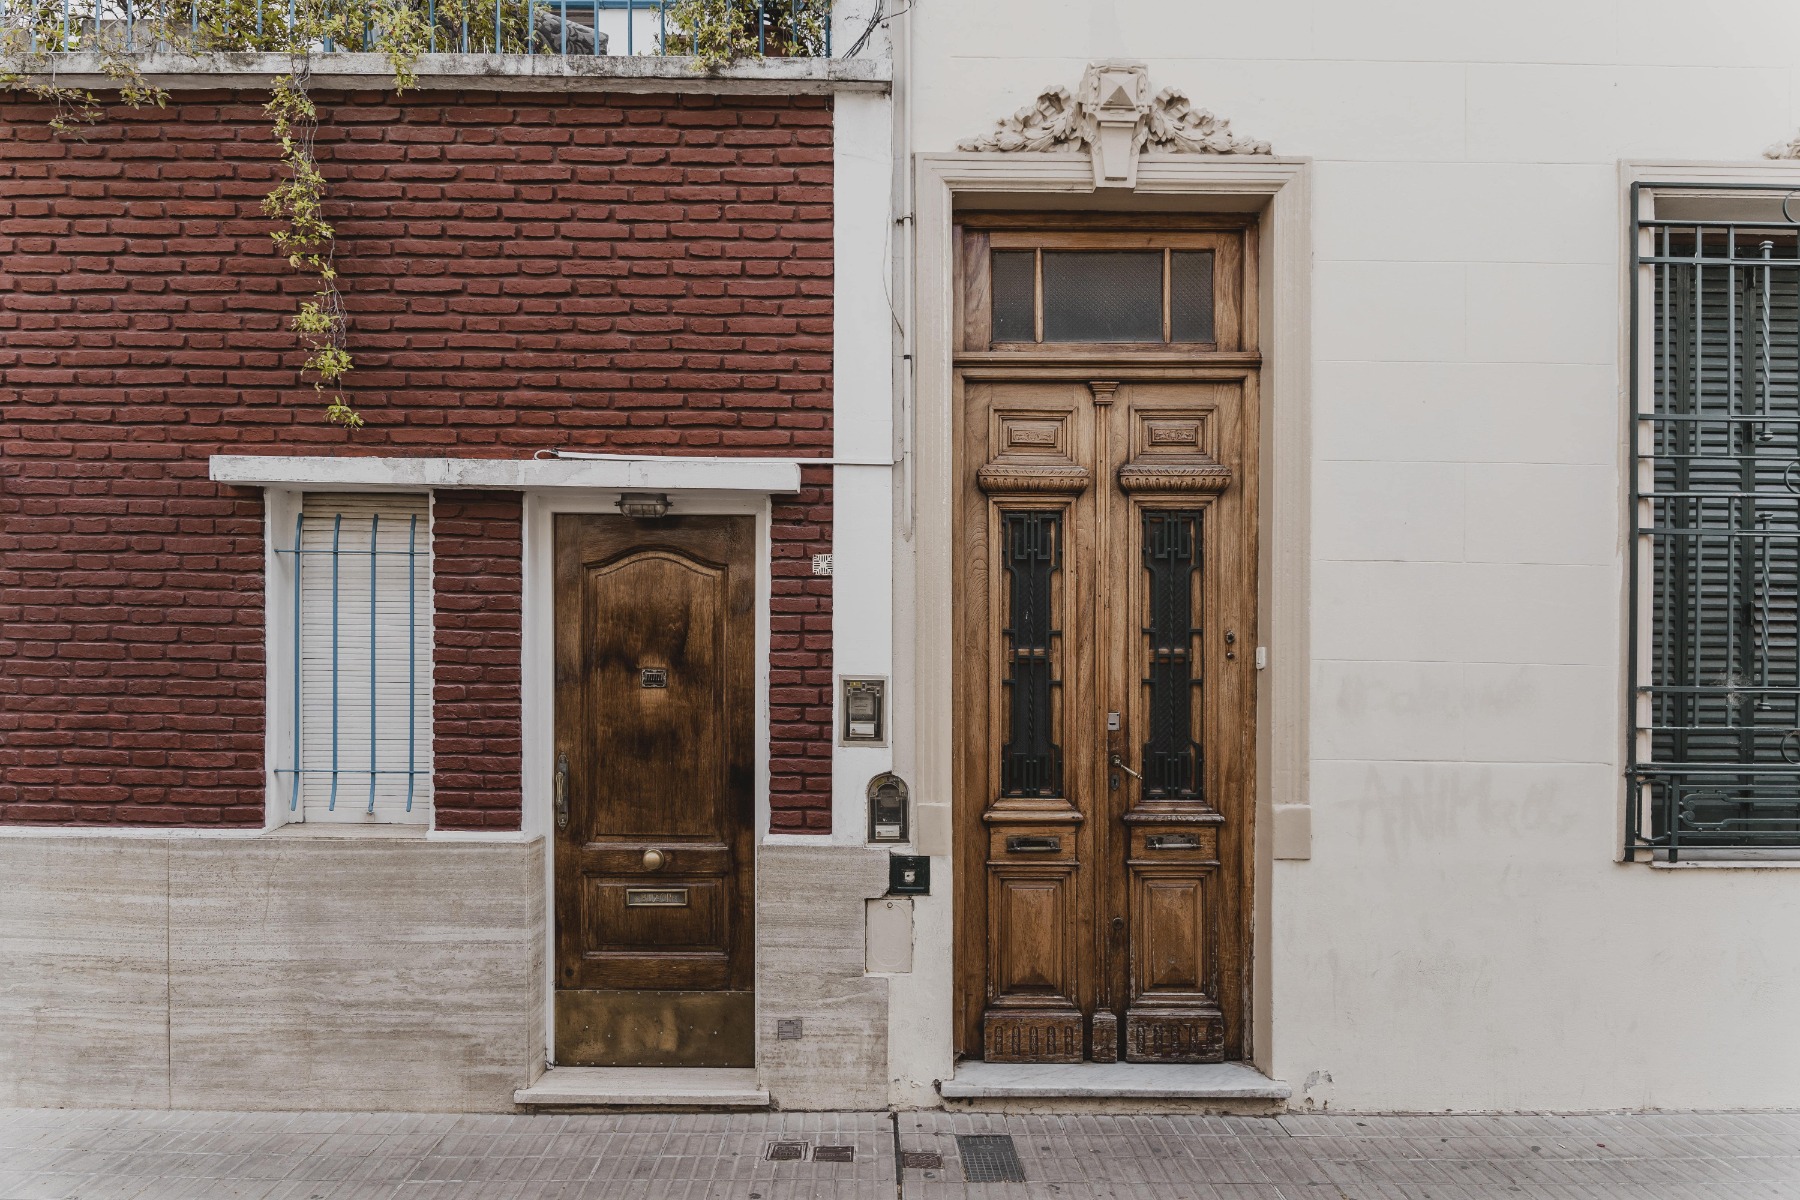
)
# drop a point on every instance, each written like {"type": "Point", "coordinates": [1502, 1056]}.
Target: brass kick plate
{"type": "Point", "coordinates": [608, 1028]}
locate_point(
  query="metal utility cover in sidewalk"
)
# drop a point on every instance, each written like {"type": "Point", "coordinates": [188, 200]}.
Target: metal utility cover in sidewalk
{"type": "Point", "coordinates": [989, 1158]}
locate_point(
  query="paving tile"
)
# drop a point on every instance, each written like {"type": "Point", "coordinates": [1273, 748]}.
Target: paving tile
{"type": "Point", "coordinates": [121, 1155]}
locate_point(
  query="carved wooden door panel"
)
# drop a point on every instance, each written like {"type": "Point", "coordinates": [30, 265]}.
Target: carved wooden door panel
{"type": "Point", "coordinates": [1105, 592]}
{"type": "Point", "coordinates": [654, 742]}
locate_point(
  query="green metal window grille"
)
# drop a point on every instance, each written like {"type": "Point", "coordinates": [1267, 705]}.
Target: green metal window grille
{"type": "Point", "coordinates": [1714, 757]}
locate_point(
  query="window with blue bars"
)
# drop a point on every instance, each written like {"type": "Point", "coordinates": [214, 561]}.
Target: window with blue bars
{"type": "Point", "coordinates": [358, 571]}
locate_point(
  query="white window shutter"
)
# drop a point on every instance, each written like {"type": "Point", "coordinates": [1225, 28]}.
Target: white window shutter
{"type": "Point", "coordinates": [365, 659]}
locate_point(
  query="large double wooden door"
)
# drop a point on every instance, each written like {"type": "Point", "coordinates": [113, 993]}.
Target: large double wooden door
{"type": "Point", "coordinates": [1105, 584]}
{"type": "Point", "coordinates": [655, 755]}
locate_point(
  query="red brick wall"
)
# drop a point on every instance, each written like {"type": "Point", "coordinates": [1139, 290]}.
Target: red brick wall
{"type": "Point", "coordinates": [477, 556]}
{"type": "Point", "coordinates": [800, 731]}
{"type": "Point", "coordinates": [644, 273]}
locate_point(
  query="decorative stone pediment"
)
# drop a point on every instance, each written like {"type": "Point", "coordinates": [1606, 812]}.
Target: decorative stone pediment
{"type": "Point", "coordinates": [1113, 115]}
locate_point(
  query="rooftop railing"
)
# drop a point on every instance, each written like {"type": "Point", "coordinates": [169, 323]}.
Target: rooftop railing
{"type": "Point", "coordinates": [566, 28]}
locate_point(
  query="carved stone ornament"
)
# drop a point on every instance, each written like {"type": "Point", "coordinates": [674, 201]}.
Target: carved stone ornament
{"type": "Point", "coordinates": [1114, 117]}
{"type": "Point", "coordinates": [1788, 149]}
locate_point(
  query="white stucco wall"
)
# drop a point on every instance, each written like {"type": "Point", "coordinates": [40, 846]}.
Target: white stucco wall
{"type": "Point", "coordinates": [1462, 937]}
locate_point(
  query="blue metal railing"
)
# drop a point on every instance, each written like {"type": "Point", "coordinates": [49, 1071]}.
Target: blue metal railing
{"type": "Point", "coordinates": [782, 28]}
{"type": "Point", "coordinates": [337, 556]}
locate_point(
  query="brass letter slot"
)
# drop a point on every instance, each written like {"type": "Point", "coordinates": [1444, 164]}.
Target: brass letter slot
{"type": "Point", "coordinates": [1172, 841]}
{"type": "Point", "coordinates": [656, 897]}
{"type": "Point", "coordinates": [1033, 845]}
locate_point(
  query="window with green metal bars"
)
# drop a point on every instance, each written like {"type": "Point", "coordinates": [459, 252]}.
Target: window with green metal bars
{"type": "Point", "coordinates": [1714, 758]}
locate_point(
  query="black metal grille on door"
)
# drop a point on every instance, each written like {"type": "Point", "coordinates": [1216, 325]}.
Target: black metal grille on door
{"type": "Point", "coordinates": [1715, 759]}
{"type": "Point", "coordinates": [1172, 566]}
{"type": "Point", "coordinates": [1031, 761]}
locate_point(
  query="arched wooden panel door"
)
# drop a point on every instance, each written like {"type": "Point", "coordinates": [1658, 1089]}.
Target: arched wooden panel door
{"type": "Point", "coordinates": [1106, 597]}
{"type": "Point", "coordinates": [655, 642]}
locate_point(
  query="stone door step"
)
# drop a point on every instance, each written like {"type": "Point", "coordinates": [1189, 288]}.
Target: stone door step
{"type": "Point", "coordinates": [1111, 1081]}
{"type": "Point", "coordinates": [644, 1087]}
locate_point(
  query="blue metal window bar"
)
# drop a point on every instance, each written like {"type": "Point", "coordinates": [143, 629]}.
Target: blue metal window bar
{"type": "Point", "coordinates": [783, 28]}
{"type": "Point", "coordinates": [1714, 618]}
{"type": "Point", "coordinates": [337, 555]}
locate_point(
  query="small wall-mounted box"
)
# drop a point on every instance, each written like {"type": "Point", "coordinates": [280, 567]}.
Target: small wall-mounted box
{"type": "Point", "coordinates": [863, 705]}
{"type": "Point", "coordinates": [887, 808]}
{"type": "Point", "coordinates": [909, 875]}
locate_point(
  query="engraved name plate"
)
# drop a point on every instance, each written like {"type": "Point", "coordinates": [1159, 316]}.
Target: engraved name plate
{"type": "Point", "coordinates": [656, 897]}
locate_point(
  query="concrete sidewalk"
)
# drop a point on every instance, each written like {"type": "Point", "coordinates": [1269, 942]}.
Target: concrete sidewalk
{"type": "Point", "coordinates": [90, 1155]}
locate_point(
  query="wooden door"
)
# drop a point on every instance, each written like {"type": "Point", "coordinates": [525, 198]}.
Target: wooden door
{"type": "Point", "coordinates": [655, 706]}
{"type": "Point", "coordinates": [1105, 588]}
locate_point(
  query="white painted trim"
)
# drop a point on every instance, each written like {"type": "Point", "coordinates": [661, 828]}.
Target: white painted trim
{"type": "Point", "coordinates": [518, 836]}
{"type": "Point", "coordinates": [643, 73]}
{"type": "Point", "coordinates": [1724, 866]}
{"type": "Point", "coordinates": [538, 676]}
{"type": "Point", "coordinates": [649, 473]}
{"type": "Point", "coordinates": [130, 833]}
{"type": "Point", "coordinates": [280, 505]}
{"type": "Point", "coordinates": [920, 1041]}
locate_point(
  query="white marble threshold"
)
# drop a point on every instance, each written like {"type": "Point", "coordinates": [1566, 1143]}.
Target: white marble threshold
{"type": "Point", "coordinates": [686, 1087]}
{"type": "Point", "coordinates": [1119, 1081]}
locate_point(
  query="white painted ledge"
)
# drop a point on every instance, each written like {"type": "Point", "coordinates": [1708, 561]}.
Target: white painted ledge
{"type": "Point", "coordinates": [1111, 1081]}
{"type": "Point", "coordinates": [497, 73]}
{"type": "Point", "coordinates": [643, 1087]}
{"type": "Point", "coordinates": [623, 473]}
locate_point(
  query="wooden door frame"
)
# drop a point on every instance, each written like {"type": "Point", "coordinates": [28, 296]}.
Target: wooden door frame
{"type": "Point", "coordinates": [1277, 191]}
{"type": "Point", "coordinates": [538, 680]}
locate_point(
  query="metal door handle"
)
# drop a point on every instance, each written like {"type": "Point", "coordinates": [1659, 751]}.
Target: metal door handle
{"type": "Point", "coordinates": [1120, 763]}
{"type": "Point", "coordinates": [562, 791]}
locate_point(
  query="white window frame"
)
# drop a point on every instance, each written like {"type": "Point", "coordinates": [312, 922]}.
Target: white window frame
{"type": "Point", "coordinates": [281, 508]}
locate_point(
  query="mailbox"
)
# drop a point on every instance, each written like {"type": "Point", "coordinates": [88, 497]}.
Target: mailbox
{"type": "Point", "coordinates": [888, 808]}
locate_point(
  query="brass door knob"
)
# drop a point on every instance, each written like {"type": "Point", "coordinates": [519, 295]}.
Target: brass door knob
{"type": "Point", "coordinates": [654, 860]}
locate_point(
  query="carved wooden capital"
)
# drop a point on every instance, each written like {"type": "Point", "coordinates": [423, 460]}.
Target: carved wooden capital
{"type": "Point", "coordinates": [1190, 474]}
{"type": "Point", "coordinates": [1001, 477]}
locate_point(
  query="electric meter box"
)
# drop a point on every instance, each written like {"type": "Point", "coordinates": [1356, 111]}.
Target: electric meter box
{"type": "Point", "coordinates": [863, 703]}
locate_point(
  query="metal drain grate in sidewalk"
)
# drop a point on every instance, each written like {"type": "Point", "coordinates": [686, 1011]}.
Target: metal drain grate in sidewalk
{"type": "Point", "coordinates": [989, 1158]}
{"type": "Point", "coordinates": [786, 1151]}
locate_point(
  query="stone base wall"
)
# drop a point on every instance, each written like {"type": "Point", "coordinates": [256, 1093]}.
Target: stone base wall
{"type": "Point", "coordinates": [283, 972]}
{"type": "Point", "coordinates": [810, 929]}
{"type": "Point", "coordinates": [301, 971]}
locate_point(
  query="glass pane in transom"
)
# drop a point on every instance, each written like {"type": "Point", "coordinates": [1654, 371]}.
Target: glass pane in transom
{"type": "Point", "coordinates": [1191, 296]}
{"type": "Point", "coordinates": [1103, 296]}
{"type": "Point", "coordinates": [1015, 296]}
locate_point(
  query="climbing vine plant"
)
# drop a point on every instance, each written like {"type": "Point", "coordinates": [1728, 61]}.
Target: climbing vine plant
{"type": "Point", "coordinates": [115, 37]}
